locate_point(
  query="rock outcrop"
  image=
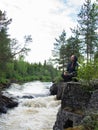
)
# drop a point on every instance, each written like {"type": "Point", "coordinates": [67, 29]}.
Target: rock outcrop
{"type": "Point", "coordinates": [75, 103]}
{"type": "Point", "coordinates": [75, 97]}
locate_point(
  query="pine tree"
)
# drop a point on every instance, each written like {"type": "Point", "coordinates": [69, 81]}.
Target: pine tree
{"type": "Point", "coordinates": [74, 44]}
{"type": "Point", "coordinates": [59, 50]}
{"type": "Point", "coordinates": [88, 19]}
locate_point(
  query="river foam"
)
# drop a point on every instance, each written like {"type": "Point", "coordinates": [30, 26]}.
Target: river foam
{"type": "Point", "coordinates": [31, 114]}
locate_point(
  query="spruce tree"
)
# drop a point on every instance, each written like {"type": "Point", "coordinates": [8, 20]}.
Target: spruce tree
{"type": "Point", "coordinates": [5, 51]}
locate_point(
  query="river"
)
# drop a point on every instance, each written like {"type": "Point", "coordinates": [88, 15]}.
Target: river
{"type": "Point", "coordinates": [37, 110]}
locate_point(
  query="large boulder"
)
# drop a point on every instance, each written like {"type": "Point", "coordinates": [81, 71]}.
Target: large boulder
{"type": "Point", "coordinates": [67, 119]}
{"type": "Point", "coordinates": [74, 102]}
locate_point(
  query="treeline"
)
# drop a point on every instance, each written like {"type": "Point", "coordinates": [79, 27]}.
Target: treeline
{"type": "Point", "coordinates": [19, 70]}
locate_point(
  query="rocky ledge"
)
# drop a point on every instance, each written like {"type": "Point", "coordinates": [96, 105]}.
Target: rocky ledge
{"type": "Point", "coordinates": [76, 103]}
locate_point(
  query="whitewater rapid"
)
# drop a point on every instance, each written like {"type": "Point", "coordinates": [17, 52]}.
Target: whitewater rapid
{"type": "Point", "coordinates": [38, 113]}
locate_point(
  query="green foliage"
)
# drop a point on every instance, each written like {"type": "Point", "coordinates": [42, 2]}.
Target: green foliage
{"type": "Point", "coordinates": [3, 80]}
{"type": "Point", "coordinates": [88, 71]}
{"type": "Point", "coordinates": [90, 122]}
{"type": "Point", "coordinates": [20, 70]}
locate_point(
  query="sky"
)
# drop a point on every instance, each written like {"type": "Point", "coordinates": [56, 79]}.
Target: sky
{"type": "Point", "coordinates": [44, 20]}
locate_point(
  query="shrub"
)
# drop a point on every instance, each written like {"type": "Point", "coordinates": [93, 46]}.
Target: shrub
{"type": "Point", "coordinates": [87, 73]}
{"type": "Point", "coordinates": [90, 122]}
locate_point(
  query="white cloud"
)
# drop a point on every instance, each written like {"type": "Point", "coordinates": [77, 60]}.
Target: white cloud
{"type": "Point", "coordinates": [43, 19]}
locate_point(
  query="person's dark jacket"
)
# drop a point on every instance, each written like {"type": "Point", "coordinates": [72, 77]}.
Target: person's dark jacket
{"type": "Point", "coordinates": [72, 67]}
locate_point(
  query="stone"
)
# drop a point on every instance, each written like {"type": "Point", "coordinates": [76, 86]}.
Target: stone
{"type": "Point", "coordinates": [6, 103]}
{"type": "Point", "coordinates": [54, 89]}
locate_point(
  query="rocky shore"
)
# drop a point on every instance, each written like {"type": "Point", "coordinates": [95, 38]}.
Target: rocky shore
{"type": "Point", "coordinates": [76, 104]}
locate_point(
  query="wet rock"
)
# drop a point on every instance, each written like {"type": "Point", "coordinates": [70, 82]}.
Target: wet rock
{"type": "Point", "coordinates": [3, 109]}
{"type": "Point", "coordinates": [6, 103]}
{"type": "Point", "coordinates": [4, 86]}
{"type": "Point", "coordinates": [28, 96]}
{"type": "Point", "coordinates": [54, 89]}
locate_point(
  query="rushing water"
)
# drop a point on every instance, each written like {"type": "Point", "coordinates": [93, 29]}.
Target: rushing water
{"type": "Point", "coordinates": [38, 113]}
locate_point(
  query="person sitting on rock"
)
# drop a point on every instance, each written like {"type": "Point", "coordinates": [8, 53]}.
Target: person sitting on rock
{"type": "Point", "coordinates": [71, 69]}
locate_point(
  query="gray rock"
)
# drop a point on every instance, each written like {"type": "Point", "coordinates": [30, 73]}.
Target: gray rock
{"type": "Point", "coordinates": [67, 119]}
{"type": "Point", "coordinates": [6, 103]}
{"type": "Point", "coordinates": [75, 102]}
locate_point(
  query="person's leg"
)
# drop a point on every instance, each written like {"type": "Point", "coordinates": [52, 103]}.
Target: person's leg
{"type": "Point", "coordinates": [66, 78]}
